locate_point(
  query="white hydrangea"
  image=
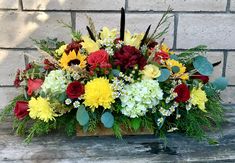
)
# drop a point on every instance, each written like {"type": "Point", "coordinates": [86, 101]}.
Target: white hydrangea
{"type": "Point", "coordinates": [139, 97]}
{"type": "Point", "coordinates": [55, 82]}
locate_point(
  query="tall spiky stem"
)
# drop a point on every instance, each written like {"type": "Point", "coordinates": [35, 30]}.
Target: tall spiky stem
{"type": "Point", "coordinates": [122, 24]}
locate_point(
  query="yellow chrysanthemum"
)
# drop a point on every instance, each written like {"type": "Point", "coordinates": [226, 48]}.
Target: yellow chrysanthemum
{"type": "Point", "coordinates": [198, 97]}
{"type": "Point", "coordinates": [134, 40]}
{"type": "Point", "coordinates": [106, 33]}
{"type": "Point", "coordinates": [72, 59]}
{"type": "Point", "coordinates": [40, 108]}
{"type": "Point", "coordinates": [89, 44]}
{"type": "Point", "coordinates": [181, 73]}
{"type": "Point", "coordinates": [98, 92]}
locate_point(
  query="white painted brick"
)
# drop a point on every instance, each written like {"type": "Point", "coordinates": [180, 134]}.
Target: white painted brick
{"type": "Point", "coordinates": [8, 4]}
{"type": "Point", "coordinates": [10, 61]}
{"type": "Point", "coordinates": [134, 23]}
{"type": "Point", "coordinates": [178, 5]}
{"type": "Point", "coordinates": [230, 68]}
{"type": "Point", "coordinates": [18, 27]}
{"type": "Point", "coordinates": [7, 94]}
{"type": "Point", "coordinates": [228, 95]}
{"type": "Point", "coordinates": [214, 30]}
{"type": "Point", "coordinates": [232, 5]}
{"type": "Point", "coordinates": [73, 5]}
{"type": "Point", "coordinates": [215, 57]}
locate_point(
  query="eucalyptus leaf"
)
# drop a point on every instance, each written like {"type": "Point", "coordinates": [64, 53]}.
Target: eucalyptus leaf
{"type": "Point", "coordinates": [82, 116]}
{"type": "Point", "coordinates": [115, 72]}
{"type": "Point", "coordinates": [165, 74]}
{"type": "Point", "coordinates": [175, 57]}
{"type": "Point", "coordinates": [220, 83]}
{"type": "Point", "coordinates": [62, 97]}
{"type": "Point", "coordinates": [107, 119]}
{"type": "Point", "coordinates": [202, 65]}
{"type": "Point", "coordinates": [175, 69]}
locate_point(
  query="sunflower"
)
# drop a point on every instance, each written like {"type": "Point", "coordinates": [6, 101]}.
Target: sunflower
{"type": "Point", "coordinates": [72, 59]}
{"type": "Point", "coordinates": [170, 63]}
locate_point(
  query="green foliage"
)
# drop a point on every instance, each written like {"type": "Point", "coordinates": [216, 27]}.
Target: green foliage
{"type": "Point", "coordinates": [67, 122]}
{"type": "Point", "coordinates": [39, 128]}
{"type": "Point", "coordinates": [76, 35]}
{"type": "Point", "coordinates": [20, 126]}
{"type": "Point", "coordinates": [93, 122]}
{"type": "Point", "coordinates": [135, 123]}
{"type": "Point", "coordinates": [165, 17]}
{"type": "Point", "coordinates": [117, 130]}
{"type": "Point", "coordinates": [195, 123]}
{"type": "Point", "coordinates": [49, 44]}
{"type": "Point", "coordinates": [189, 54]}
{"type": "Point", "coordinates": [148, 123]}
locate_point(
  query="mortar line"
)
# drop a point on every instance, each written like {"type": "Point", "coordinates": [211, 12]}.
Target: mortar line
{"type": "Point", "coordinates": [228, 6]}
{"type": "Point", "coordinates": [73, 20]}
{"type": "Point", "coordinates": [176, 19]}
{"type": "Point", "coordinates": [129, 11]}
{"type": "Point", "coordinates": [224, 63]}
{"type": "Point", "coordinates": [126, 5]}
{"type": "Point", "coordinates": [20, 5]}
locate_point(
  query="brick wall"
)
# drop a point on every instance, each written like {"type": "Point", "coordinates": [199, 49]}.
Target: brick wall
{"type": "Point", "coordinates": [209, 22]}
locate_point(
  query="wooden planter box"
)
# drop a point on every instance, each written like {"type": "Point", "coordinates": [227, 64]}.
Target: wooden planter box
{"type": "Point", "coordinates": [102, 131]}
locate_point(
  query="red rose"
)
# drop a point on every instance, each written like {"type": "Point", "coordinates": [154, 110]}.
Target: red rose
{"type": "Point", "coordinates": [201, 77]}
{"type": "Point", "coordinates": [21, 109]}
{"type": "Point", "coordinates": [161, 55]}
{"type": "Point", "coordinates": [182, 92]}
{"type": "Point", "coordinates": [97, 58]}
{"type": "Point", "coordinates": [33, 85]}
{"type": "Point", "coordinates": [127, 57]}
{"type": "Point", "coordinates": [75, 90]}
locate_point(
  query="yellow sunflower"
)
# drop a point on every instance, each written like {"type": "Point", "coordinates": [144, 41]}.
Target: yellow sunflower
{"type": "Point", "coordinates": [72, 59]}
{"type": "Point", "coordinates": [170, 63]}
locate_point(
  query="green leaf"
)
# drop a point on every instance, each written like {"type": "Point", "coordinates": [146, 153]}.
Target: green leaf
{"type": "Point", "coordinates": [203, 66]}
{"type": "Point", "coordinates": [62, 97]}
{"type": "Point", "coordinates": [175, 69]}
{"type": "Point", "coordinates": [135, 123]}
{"type": "Point", "coordinates": [107, 119]}
{"type": "Point", "coordinates": [165, 74]}
{"type": "Point", "coordinates": [115, 72]}
{"type": "Point", "coordinates": [82, 116]}
{"type": "Point", "coordinates": [175, 57]}
{"type": "Point", "coordinates": [220, 83]}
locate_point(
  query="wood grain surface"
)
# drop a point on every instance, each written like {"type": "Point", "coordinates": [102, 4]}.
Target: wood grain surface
{"type": "Point", "coordinates": [56, 147]}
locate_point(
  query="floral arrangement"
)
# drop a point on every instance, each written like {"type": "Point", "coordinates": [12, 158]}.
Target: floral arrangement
{"type": "Point", "coordinates": [117, 80]}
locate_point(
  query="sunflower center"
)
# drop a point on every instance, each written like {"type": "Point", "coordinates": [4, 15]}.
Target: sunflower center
{"type": "Point", "coordinates": [74, 62]}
